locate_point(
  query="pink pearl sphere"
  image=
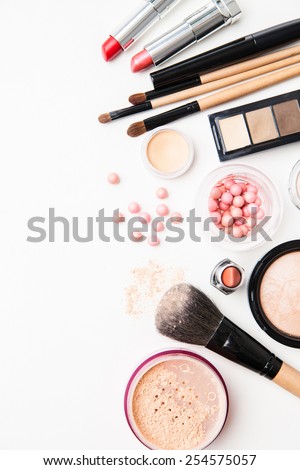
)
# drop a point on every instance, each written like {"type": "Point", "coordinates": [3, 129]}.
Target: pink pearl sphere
{"type": "Point", "coordinates": [216, 193]}
{"type": "Point", "coordinates": [224, 207]}
{"type": "Point", "coordinates": [134, 207]}
{"type": "Point", "coordinates": [260, 214]}
{"type": "Point", "coordinates": [228, 184]}
{"type": "Point", "coordinates": [243, 186]}
{"type": "Point", "coordinates": [252, 189]}
{"type": "Point", "coordinates": [237, 232]}
{"type": "Point", "coordinates": [222, 189]}
{"type": "Point", "coordinates": [236, 212]}
{"type": "Point", "coordinates": [238, 201]}
{"type": "Point", "coordinates": [249, 196]}
{"type": "Point", "coordinates": [236, 189]}
{"type": "Point", "coordinates": [258, 201]}
{"type": "Point", "coordinates": [153, 241]}
{"type": "Point", "coordinates": [162, 193]}
{"type": "Point", "coordinates": [250, 222]}
{"type": "Point", "coordinates": [239, 221]}
{"type": "Point", "coordinates": [146, 216]}
{"type": "Point", "coordinates": [212, 205]}
{"type": "Point", "coordinates": [113, 178]}
{"type": "Point", "coordinates": [159, 227]}
{"type": "Point", "coordinates": [227, 198]}
{"type": "Point", "coordinates": [137, 236]}
{"type": "Point", "coordinates": [176, 218]}
{"type": "Point", "coordinates": [245, 230]}
{"type": "Point", "coordinates": [227, 220]}
{"type": "Point", "coordinates": [246, 212]}
{"type": "Point", "coordinates": [162, 210]}
{"type": "Point", "coordinates": [216, 217]}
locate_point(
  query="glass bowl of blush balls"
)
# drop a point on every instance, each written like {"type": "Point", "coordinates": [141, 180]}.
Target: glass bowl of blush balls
{"type": "Point", "coordinates": [239, 207]}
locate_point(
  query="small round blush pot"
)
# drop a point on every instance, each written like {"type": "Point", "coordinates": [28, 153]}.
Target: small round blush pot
{"type": "Point", "coordinates": [176, 400]}
{"type": "Point", "coordinates": [227, 276]}
{"type": "Point", "coordinates": [274, 293]}
{"type": "Point", "coordinates": [167, 153]}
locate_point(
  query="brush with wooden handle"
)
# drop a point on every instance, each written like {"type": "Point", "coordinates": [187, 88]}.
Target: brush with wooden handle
{"type": "Point", "coordinates": [218, 74]}
{"type": "Point", "coordinates": [200, 90]}
{"type": "Point", "coordinates": [186, 314]}
{"type": "Point", "coordinates": [215, 99]}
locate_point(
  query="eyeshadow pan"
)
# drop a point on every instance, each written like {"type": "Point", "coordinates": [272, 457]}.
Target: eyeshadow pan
{"type": "Point", "coordinates": [261, 125]}
{"type": "Point", "coordinates": [234, 132]}
{"type": "Point", "coordinates": [288, 117]}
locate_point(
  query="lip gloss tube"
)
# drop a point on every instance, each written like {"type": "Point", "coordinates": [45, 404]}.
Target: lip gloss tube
{"type": "Point", "coordinates": [140, 21]}
{"type": "Point", "coordinates": [210, 18]}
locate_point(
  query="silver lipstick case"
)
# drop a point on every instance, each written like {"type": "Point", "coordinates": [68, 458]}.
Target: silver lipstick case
{"type": "Point", "coordinates": [210, 18]}
{"type": "Point", "coordinates": [141, 20]}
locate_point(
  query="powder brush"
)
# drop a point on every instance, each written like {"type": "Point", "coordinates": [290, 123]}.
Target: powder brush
{"type": "Point", "coordinates": [186, 314]}
{"type": "Point", "coordinates": [228, 94]}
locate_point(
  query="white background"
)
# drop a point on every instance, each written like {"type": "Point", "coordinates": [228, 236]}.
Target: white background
{"type": "Point", "coordinates": [66, 346]}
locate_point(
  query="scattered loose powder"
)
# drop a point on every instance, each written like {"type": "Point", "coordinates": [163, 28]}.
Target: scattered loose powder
{"type": "Point", "coordinates": [280, 294]}
{"type": "Point", "coordinates": [148, 285]}
{"type": "Point", "coordinates": [179, 405]}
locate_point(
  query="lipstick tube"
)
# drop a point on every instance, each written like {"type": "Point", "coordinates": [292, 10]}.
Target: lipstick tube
{"type": "Point", "coordinates": [210, 18]}
{"type": "Point", "coordinates": [140, 21]}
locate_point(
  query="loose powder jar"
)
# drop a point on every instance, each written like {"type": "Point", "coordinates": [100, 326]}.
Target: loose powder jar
{"type": "Point", "coordinates": [176, 400]}
{"type": "Point", "coordinates": [274, 293]}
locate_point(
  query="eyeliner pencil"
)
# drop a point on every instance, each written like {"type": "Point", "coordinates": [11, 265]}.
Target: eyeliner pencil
{"type": "Point", "coordinates": [206, 77]}
{"type": "Point", "coordinates": [215, 99]}
{"type": "Point", "coordinates": [230, 77]}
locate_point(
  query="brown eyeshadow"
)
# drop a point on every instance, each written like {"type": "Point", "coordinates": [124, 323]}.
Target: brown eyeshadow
{"type": "Point", "coordinates": [261, 125]}
{"type": "Point", "coordinates": [288, 117]}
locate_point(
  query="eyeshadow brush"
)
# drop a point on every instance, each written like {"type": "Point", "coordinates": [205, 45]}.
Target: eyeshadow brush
{"type": "Point", "coordinates": [207, 77]}
{"type": "Point", "coordinates": [186, 314]}
{"type": "Point", "coordinates": [228, 94]}
{"type": "Point", "coordinates": [212, 85]}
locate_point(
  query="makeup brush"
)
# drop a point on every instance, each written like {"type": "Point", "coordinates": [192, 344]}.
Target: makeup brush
{"type": "Point", "coordinates": [212, 85]}
{"type": "Point", "coordinates": [201, 79]}
{"type": "Point", "coordinates": [186, 314]}
{"type": "Point", "coordinates": [215, 99]}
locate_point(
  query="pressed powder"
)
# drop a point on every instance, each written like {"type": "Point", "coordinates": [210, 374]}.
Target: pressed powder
{"type": "Point", "coordinates": [176, 401]}
{"type": "Point", "coordinates": [168, 153]}
{"type": "Point", "coordinates": [235, 132]}
{"type": "Point", "coordinates": [274, 293]}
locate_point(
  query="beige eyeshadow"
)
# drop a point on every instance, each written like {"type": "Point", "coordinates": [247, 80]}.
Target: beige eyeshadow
{"type": "Point", "coordinates": [234, 132]}
{"type": "Point", "coordinates": [261, 125]}
{"type": "Point", "coordinates": [280, 294]}
{"type": "Point", "coordinates": [288, 117]}
{"type": "Point", "coordinates": [168, 151]}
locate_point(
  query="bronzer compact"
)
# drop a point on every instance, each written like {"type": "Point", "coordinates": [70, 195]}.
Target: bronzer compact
{"type": "Point", "coordinates": [274, 293]}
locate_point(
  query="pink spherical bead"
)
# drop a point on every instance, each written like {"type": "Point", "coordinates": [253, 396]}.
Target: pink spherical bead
{"type": "Point", "coordinates": [137, 236]}
{"type": "Point", "coordinates": [236, 189]}
{"type": "Point", "coordinates": [250, 222]}
{"type": "Point", "coordinates": [162, 193]}
{"type": "Point", "coordinates": [236, 212]}
{"type": "Point", "coordinates": [145, 216]}
{"type": "Point", "coordinates": [246, 212]}
{"type": "Point", "coordinates": [245, 230]}
{"type": "Point", "coordinates": [227, 220]}
{"type": "Point", "coordinates": [223, 207]}
{"type": "Point", "coordinates": [252, 189]}
{"type": "Point", "coordinates": [238, 201]}
{"type": "Point", "coordinates": [237, 232]}
{"type": "Point", "coordinates": [212, 205]}
{"type": "Point", "coordinates": [228, 184]}
{"type": "Point", "coordinates": [222, 189]}
{"type": "Point", "coordinates": [113, 178]}
{"type": "Point", "coordinates": [249, 196]}
{"type": "Point", "coordinates": [227, 198]}
{"type": "Point", "coordinates": [216, 193]}
{"type": "Point", "coordinates": [239, 221]}
{"type": "Point", "coordinates": [153, 241]}
{"type": "Point", "coordinates": [216, 217]}
{"type": "Point", "coordinates": [258, 201]}
{"type": "Point", "coordinates": [159, 227]}
{"type": "Point", "coordinates": [178, 219]}
{"type": "Point", "coordinates": [134, 207]}
{"type": "Point", "coordinates": [260, 214]}
{"type": "Point", "coordinates": [162, 210]}
{"type": "Point", "coordinates": [243, 186]}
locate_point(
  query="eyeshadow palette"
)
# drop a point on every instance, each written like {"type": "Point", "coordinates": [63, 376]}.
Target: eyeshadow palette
{"type": "Point", "coordinates": [257, 126]}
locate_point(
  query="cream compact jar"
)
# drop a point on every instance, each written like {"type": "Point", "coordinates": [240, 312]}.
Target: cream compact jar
{"type": "Point", "coordinates": [167, 153]}
{"type": "Point", "coordinates": [176, 400]}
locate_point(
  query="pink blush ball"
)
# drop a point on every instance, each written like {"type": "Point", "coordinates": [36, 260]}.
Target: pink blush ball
{"type": "Point", "coordinates": [236, 189]}
{"type": "Point", "coordinates": [236, 212]}
{"type": "Point", "coordinates": [238, 201]}
{"type": "Point", "coordinates": [216, 217]}
{"type": "Point", "coordinates": [227, 198]}
{"type": "Point", "coordinates": [216, 193]}
{"type": "Point", "coordinates": [146, 216]}
{"type": "Point", "coordinates": [162, 193]}
{"type": "Point", "coordinates": [212, 205]}
{"type": "Point", "coordinates": [224, 207]}
{"type": "Point", "coordinates": [228, 184]}
{"type": "Point", "coordinates": [162, 210]}
{"type": "Point", "coordinates": [237, 232]}
{"type": "Point", "coordinates": [113, 178]}
{"type": "Point", "coordinates": [227, 220]}
{"type": "Point", "coordinates": [250, 197]}
{"type": "Point", "coordinates": [159, 227]}
{"type": "Point", "coordinates": [176, 218]}
{"type": "Point", "coordinates": [252, 189]}
{"type": "Point", "coordinates": [134, 207]}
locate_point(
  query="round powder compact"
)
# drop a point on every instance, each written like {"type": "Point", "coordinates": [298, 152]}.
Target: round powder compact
{"type": "Point", "coordinates": [176, 400]}
{"type": "Point", "coordinates": [167, 153]}
{"type": "Point", "coordinates": [274, 293]}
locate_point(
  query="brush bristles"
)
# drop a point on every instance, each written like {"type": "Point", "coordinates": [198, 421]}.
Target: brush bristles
{"type": "Point", "coordinates": [186, 314]}
{"type": "Point", "coordinates": [138, 98]}
{"type": "Point", "coordinates": [104, 118]}
{"type": "Point", "coordinates": [136, 129]}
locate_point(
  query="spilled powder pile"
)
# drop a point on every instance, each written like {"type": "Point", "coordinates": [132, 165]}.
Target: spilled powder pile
{"type": "Point", "coordinates": [148, 284]}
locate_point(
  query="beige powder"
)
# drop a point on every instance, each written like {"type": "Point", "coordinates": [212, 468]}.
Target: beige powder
{"type": "Point", "coordinates": [168, 151]}
{"type": "Point", "coordinates": [234, 132]}
{"type": "Point", "coordinates": [280, 294]}
{"type": "Point", "coordinates": [147, 285]}
{"type": "Point", "coordinates": [179, 404]}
